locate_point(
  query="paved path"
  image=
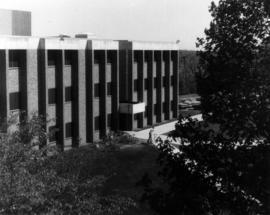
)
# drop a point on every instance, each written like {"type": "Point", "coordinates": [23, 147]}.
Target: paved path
{"type": "Point", "coordinates": [159, 130]}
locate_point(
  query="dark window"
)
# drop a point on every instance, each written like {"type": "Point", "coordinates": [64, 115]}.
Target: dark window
{"type": "Point", "coordinates": [96, 90]}
{"type": "Point", "coordinates": [137, 116]}
{"type": "Point", "coordinates": [53, 133]}
{"type": "Point", "coordinates": [110, 59]}
{"type": "Point", "coordinates": [96, 59]}
{"type": "Point", "coordinates": [172, 105]}
{"type": "Point", "coordinates": [136, 85]}
{"type": "Point", "coordinates": [109, 120]}
{"type": "Point", "coordinates": [164, 81]}
{"type": "Point", "coordinates": [14, 101]}
{"type": "Point", "coordinates": [52, 96]}
{"type": "Point", "coordinates": [69, 129]}
{"type": "Point", "coordinates": [14, 58]}
{"type": "Point", "coordinates": [97, 123]}
{"type": "Point", "coordinates": [146, 111]}
{"type": "Point", "coordinates": [164, 107]}
{"type": "Point", "coordinates": [68, 58]}
{"type": "Point", "coordinates": [155, 109]}
{"type": "Point", "coordinates": [155, 82]}
{"type": "Point", "coordinates": [172, 80]}
{"type": "Point", "coordinates": [51, 59]}
{"type": "Point", "coordinates": [146, 83]}
{"type": "Point", "coordinates": [109, 88]}
{"type": "Point", "coordinates": [68, 94]}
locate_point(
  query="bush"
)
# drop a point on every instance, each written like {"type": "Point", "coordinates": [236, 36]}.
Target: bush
{"type": "Point", "coordinates": [34, 183]}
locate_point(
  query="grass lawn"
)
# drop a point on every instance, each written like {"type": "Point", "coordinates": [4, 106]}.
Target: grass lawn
{"type": "Point", "coordinates": [123, 167]}
{"type": "Point", "coordinates": [189, 112]}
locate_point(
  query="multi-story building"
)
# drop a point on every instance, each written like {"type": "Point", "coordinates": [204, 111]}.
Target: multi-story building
{"type": "Point", "coordinates": [88, 86]}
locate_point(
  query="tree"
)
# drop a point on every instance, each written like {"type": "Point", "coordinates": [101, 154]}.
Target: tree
{"type": "Point", "coordinates": [33, 179]}
{"type": "Point", "coordinates": [188, 69]}
{"type": "Point", "coordinates": [223, 164]}
{"type": "Point", "coordinates": [230, 50]}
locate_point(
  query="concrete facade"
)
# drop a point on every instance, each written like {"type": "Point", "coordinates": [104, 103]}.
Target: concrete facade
{"type": "Point", "coordinates": [149, 74]}
{"type": "Point", "coordinates": [82, 84]}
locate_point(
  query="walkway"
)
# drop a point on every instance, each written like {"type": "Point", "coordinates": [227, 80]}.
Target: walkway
{"type": "Point", "coordinates": [159, 130]}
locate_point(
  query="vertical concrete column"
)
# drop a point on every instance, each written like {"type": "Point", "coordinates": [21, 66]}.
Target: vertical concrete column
{"type": "Point", "coordinates": [162, 68]}
{"type": "Point", "coordinates": [149, 59]}
{"type": "Point", "coordinates": [42, 82]}
{"type": "Point", "coordinates": [115, 91]}
{"type": "Point", "coordinates": [4, 97]}
{"type": "Point", "coordinates": [23, 82]}
{"type": "Point", "coordinates": [106, 53]}
{"type": "Point", "coordinates": [31, 77]}
{"type": "Point", "coordinates": [80, 100]}
{"type": "Point", "coordinates": [158, 58]}
{"type": "Point", "coordinates": [125, 81]}
{"type": "Point", "coordinates": [130, 86]}
{"type": "Point", "coordinates": [167, 86]}
{"type": "Point", "coordinates": [75, 95]}
{"type": "Point", "coordinates": [123, 71]}
{"type": "Point", "coordinates": [89, 92]}
{"type": "Point", "coordinates": [141, 85]}
{"type": "Point", "coordinates": [103, 94]}
{"type": "Point", "coordinates": [175, 84]}
{"type": "Point", "coordinates": [151, 85]}
{"type": "Point", "coordinates": [140, 77]}
{"type": "Point", "coordinates": [60, 120]}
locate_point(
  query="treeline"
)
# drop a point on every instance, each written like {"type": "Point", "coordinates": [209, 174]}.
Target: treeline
{"type": "Point", "coordinates": [188, 63]}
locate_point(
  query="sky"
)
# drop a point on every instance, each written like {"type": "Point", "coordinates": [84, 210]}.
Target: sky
{"type": "Point", "coordinates": [147, 20]}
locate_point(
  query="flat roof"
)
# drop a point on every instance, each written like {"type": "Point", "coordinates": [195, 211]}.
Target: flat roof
{"type": "Point", "coordinates": [149, 45]}
{"type": "Point", "coordinates": [72, 43]}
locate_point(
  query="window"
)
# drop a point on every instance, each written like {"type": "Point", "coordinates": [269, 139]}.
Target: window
{"type": "Point", "coordinates": [155, 109]}
{"type": "Point", "coordinates": [52, 96]}
{"type": "Point", "coordinates": [146, 84]}
{"type": "Point", "coordinates": [69, 129]}
{"type": "Point", "coordinates": [68, 94]}
{"type": "Point", "coordinates": [14, 58]}
{"type": "Point", "coordinates": [155, 82]}
{"type": "Point", "coordinates": [172, 80]}
{"type": "Point", "coordinates": [96, 60]}
{"type": "Point", "coordinates": [96, 90]}
{"type": "Point", "coordinates": [164, 81]}
{"type": "Point", "coordinates": [51, 59]}
{"type": "Point", "coordinates": [109, 120]}
{"type": "Point", "coordinates": [135, 85]}
{"type": "Point", "coordinates": [109, 88]}
{"type": "Point", "coordinates": [146, 111]}
{"type": "Point", "coordinates": [110, 59]}
{"type": "Point", "coordinates": [137, 116]}
{"type": "Point", "coordinates": [164, 107]}
{"type": "Point", "coordinates": [14, 101]}
{"type": "Point", "coordinates": [68, 58]}
{"type": "Point", "coordinates": [97, 123]}
{"type": "Point", "coordinates": [53, 133]}
{"type": "Point", "coordinates": [172, 105]}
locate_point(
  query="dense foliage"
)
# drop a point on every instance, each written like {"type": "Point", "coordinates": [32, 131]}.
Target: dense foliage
{"type": "Point", "coordinates": [188, 69]}
{"type": "Point", "coordinates": [37, 179]}
{"type": "Point", "coordinates": [223, 164]}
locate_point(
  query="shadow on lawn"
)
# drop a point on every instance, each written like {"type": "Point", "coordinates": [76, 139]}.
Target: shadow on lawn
{"type": "Point", "coordinates": [122, 168]}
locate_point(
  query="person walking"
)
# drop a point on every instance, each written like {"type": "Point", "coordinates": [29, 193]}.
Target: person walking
{"type": "Point", "coordinates": [151, 138]}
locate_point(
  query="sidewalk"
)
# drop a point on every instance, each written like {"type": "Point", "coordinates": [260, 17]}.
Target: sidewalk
{"type": "Point", "coordinates": [159, 130]}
